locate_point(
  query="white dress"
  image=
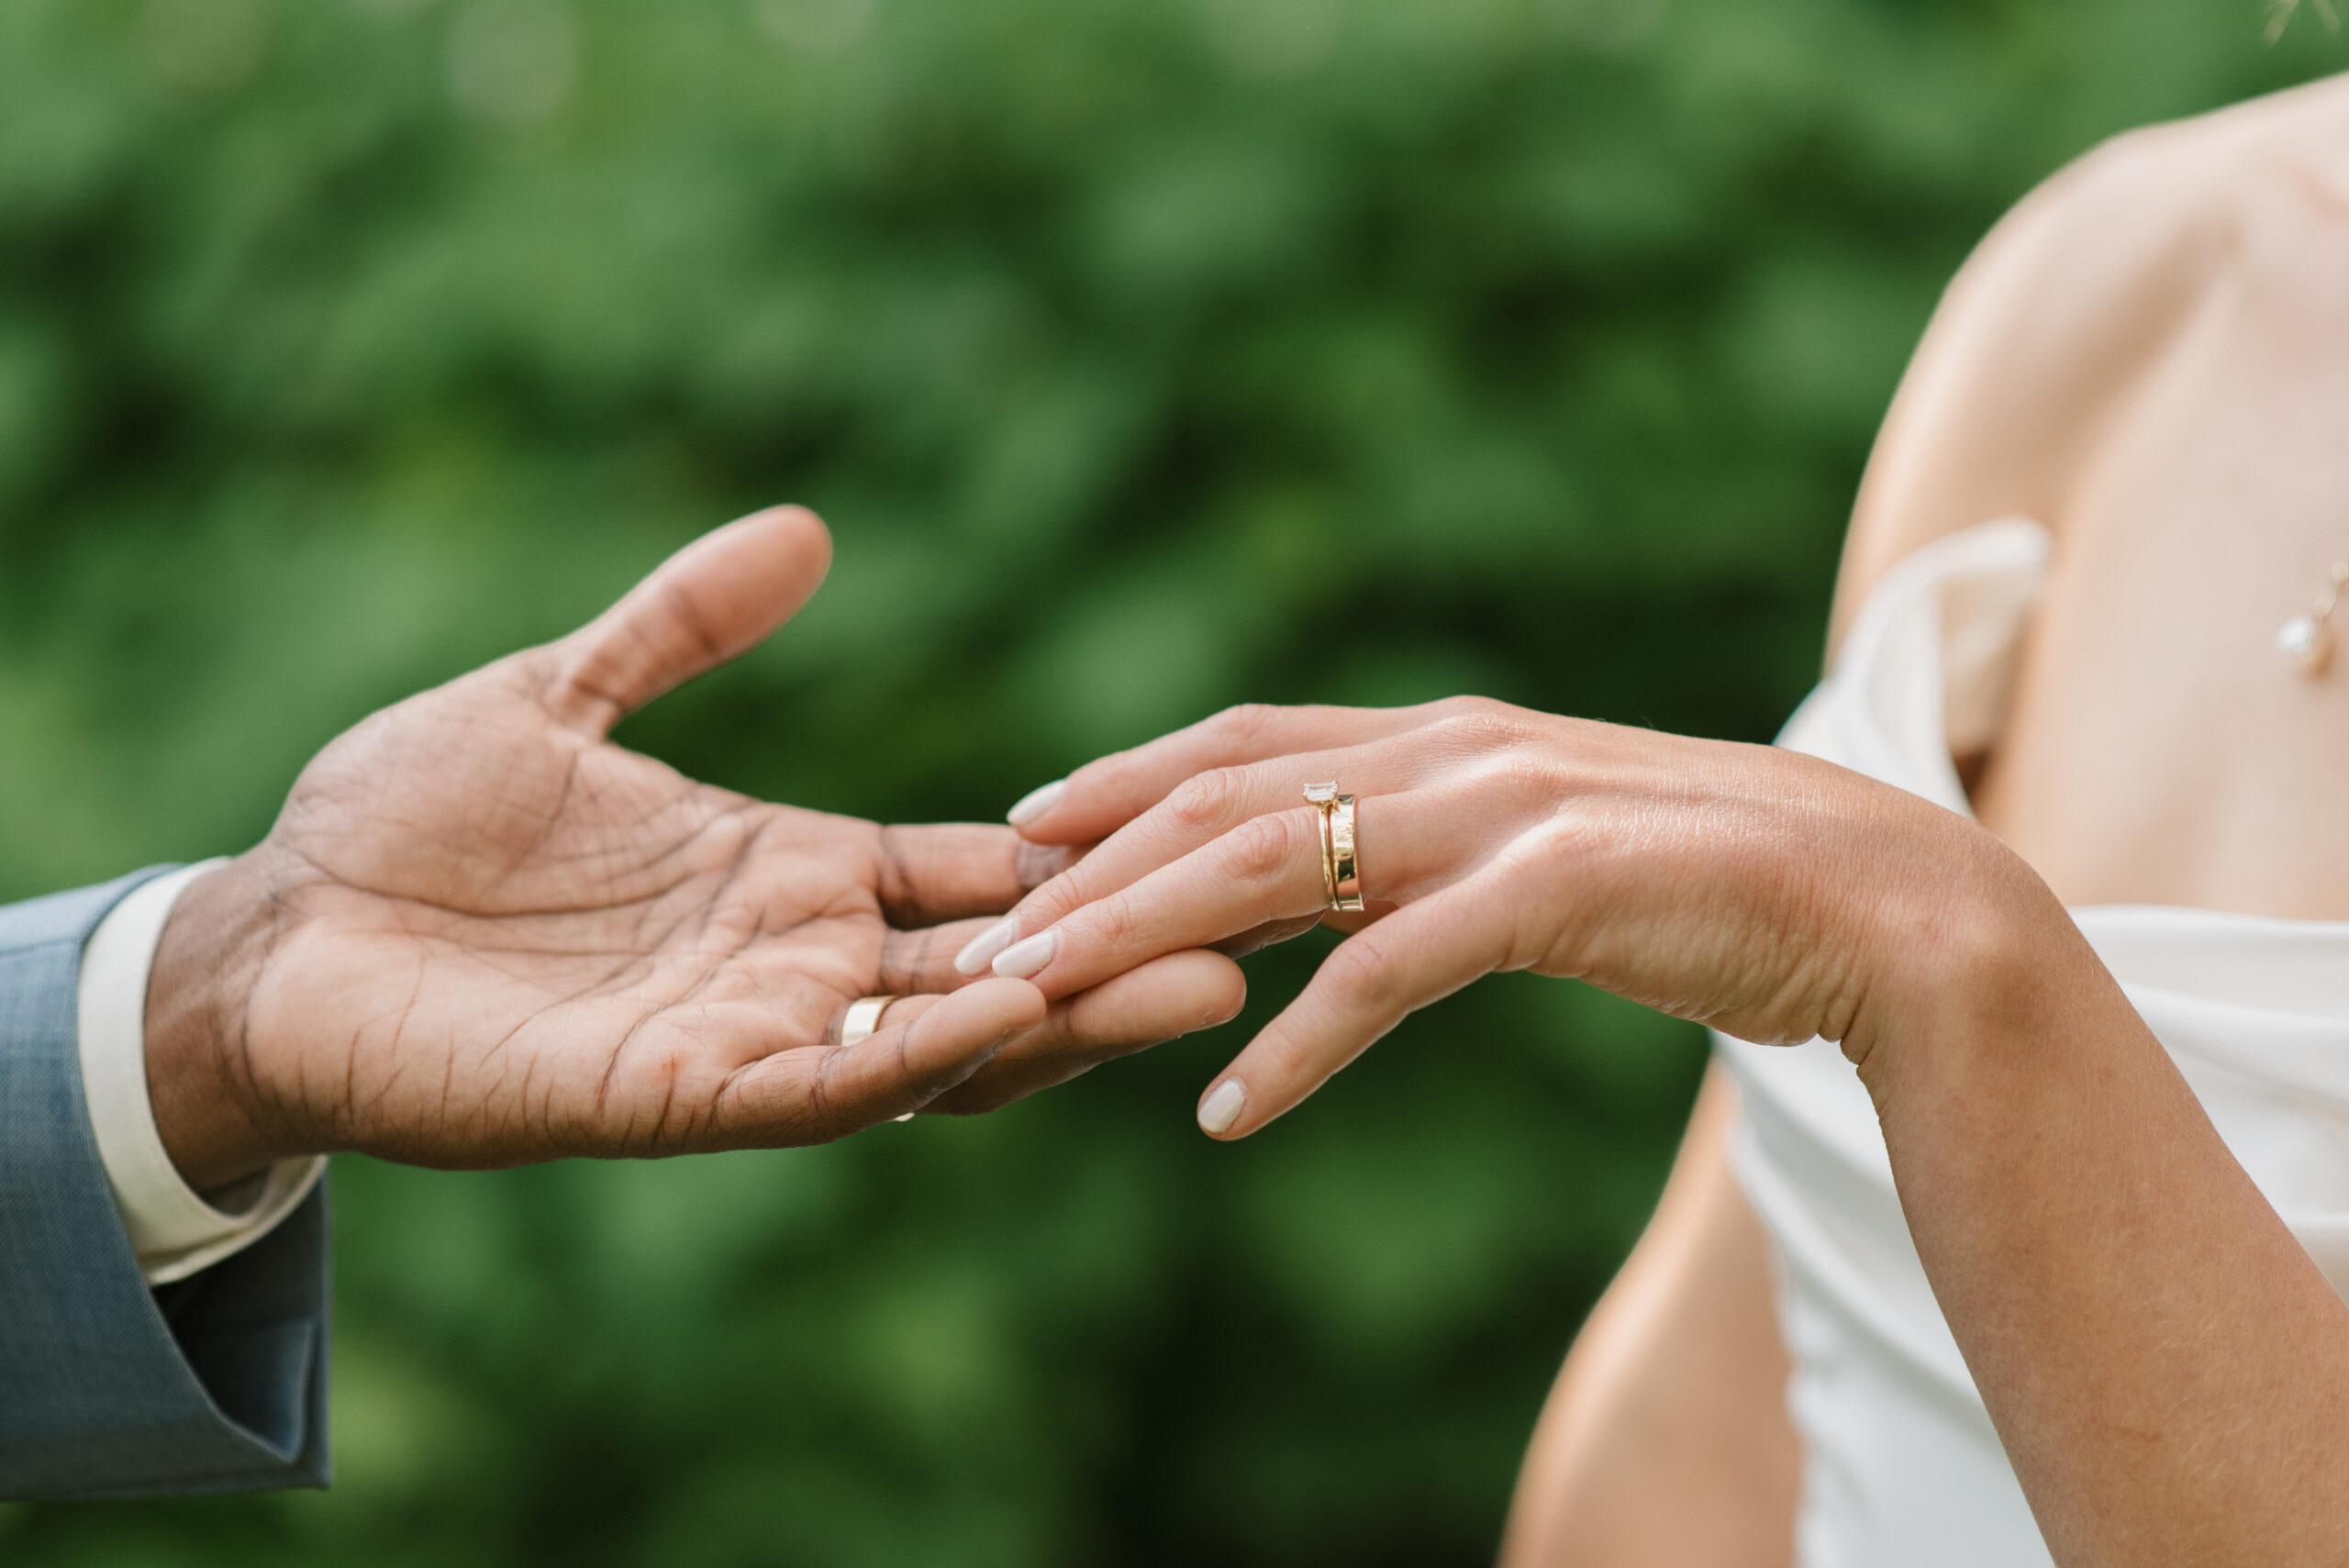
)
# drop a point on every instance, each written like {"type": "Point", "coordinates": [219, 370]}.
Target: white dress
{"type": "Point", "coordinates": [1902, 1466]}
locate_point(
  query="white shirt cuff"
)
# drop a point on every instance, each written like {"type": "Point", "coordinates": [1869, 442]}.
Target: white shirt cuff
{"type": "Point", "coordinates": [173, 1229]}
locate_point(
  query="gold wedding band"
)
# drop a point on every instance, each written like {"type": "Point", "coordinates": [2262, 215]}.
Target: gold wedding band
{"type": "Point", "coordinates": [1341, 867]}
{"type": "Point", "coordinates": [863, 1016]}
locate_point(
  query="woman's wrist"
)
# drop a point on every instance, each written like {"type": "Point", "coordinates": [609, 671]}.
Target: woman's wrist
{"type": "Point", "coordinates": [1968, 950]}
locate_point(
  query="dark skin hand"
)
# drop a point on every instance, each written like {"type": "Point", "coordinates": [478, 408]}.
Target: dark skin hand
{"type": "Point", "coordinates": [480, 934]}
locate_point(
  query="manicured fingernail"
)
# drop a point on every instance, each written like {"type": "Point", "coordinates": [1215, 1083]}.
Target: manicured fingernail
{"type": "Point", "coordinates": [980, 951]}
{"type": "Point", "coordinates": [1021, 960]}
{"type": "Point", "coordinates": [1222, 1108]}
{"type": "Point", "coordinates": [1036, 802]}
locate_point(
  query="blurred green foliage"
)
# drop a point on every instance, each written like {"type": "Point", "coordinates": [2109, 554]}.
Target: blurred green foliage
{"type": "Point", "coordinates": [1145, 355]}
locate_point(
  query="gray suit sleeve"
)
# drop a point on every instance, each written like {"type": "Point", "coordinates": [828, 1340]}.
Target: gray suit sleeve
{"type": "Point", "coordinates": [107, 1388]}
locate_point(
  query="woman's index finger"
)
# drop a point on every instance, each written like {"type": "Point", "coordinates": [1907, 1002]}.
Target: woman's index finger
{"type": "Point", "coordinates": [1104, 795]}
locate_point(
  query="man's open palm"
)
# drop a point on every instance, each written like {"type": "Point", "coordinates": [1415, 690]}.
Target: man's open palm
{"type": "Point", "coordinates": [482, 934]}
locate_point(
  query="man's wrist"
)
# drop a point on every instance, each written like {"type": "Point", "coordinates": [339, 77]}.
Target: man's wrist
{"type": "Point", "coordinates": [208, 1110]}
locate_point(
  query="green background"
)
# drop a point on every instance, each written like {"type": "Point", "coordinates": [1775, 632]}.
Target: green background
{"type": "Point", "coordinates": [1145, 355]}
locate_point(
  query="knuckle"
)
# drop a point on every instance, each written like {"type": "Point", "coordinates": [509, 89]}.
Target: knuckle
{"type": "Point", "coordinates": [1263, 848]}
{"type": "Point", "coordinates": [1247, 726]}
{"type": "Point", "coordinates": [1488, 727]}
{"type": "Point", "coordinates": [1117, 922]}
{"type": "Point", "coordinates": [1463, 705]}
{"type": "Point", "coordinates": [1055, 900]}
{"type": "Point", "coordinates": [1205, 802]}
{"type": "Point", "coordinates": [1068, 891]}
{"type": "Point", "coordinates": [1519, 776]}
{"type": "Point", "coordinates": [1362, 973]}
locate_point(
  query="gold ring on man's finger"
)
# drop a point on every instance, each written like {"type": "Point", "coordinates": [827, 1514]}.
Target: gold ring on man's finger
{"type": "Point", "coordinates": [1341, 865]}
{"type": "Point", "coordinates": [863, 1016]}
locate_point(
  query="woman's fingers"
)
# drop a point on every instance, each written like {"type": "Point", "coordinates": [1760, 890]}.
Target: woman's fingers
{"type": "Point", "coordinates": [1419, 954]}
{"type": "Point", "coordinates": [1168, 997]}
{"type": "Point", "coordinates": [714, 600]}
{"type": "Point", "coordinates": [1198, 811]}
{"type": "Point", "coordinates": [1267, 869]}
{"type": "Point", "coordinates": [1104, 795]}
{"type": "Point", "coordinates": [1416, 824]}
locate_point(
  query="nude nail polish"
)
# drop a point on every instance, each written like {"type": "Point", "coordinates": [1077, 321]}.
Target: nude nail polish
{"type": "Point", "coordinates": [1021, 960]}
{"type": "Point", "coordinates": [980, 951]}
{"type": "Point", "coordinates": [1222, 1108]}
{"type": "Point", "coordinates": [1037, 801]}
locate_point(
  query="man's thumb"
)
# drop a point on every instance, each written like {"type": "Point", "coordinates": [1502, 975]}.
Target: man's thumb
{"type": "Point", "coordinates": [713, 601]}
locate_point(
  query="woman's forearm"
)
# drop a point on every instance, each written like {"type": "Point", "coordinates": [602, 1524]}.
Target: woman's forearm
{"type": "Point", "coordinates": [2167, 1367]}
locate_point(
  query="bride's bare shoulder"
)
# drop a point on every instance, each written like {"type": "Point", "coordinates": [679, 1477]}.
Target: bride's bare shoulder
{"type": "Point", "coordinates": [2295, 136]}
{"type": "Point", "coordinates": [2139, 228]}
{"type": "Point", "coordinates": [2071, 300]}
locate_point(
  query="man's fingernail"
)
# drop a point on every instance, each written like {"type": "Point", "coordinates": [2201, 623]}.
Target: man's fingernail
{"type": "Point", "coordinates": [1021, 960]}
{"type": "Point", "coordinates": [1036, 802]}
{"type": "Point", "coordinates": [1222, 1108]}
{"type": "Point", "coordinates": [980, 951]}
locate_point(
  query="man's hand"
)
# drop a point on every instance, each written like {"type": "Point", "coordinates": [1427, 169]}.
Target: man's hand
{"type": "Point", "coordinates": [480, 934]}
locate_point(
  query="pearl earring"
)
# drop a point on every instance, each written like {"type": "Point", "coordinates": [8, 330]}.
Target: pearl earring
{"type": "Point", "coordinates": [2307, 640]}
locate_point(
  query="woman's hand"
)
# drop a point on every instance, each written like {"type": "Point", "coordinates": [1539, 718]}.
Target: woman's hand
{"type": "Point", "coordinates": [1760, 891]}
{"type": "Point", "coordinates": [2164, 1363]}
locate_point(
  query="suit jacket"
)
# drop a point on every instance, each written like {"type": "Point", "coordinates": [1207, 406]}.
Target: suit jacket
{"type": "Point", "coordinates": [108, 1387]}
